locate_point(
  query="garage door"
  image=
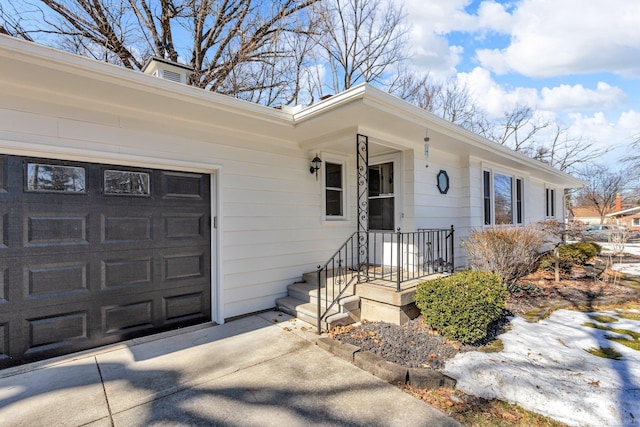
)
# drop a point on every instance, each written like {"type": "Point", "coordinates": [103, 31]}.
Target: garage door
{"type": "Point", "coordinates": [91, 254]}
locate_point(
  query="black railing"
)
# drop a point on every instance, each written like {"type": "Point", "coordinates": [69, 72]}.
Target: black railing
{"type": "Point", "coordinates": [394, 257]}
{"type": "Point", "coordinates": [398, 257]}
{"type": "Point", "coordinates": [336, 275]}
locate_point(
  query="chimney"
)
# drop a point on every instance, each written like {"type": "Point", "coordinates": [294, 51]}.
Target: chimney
{"type": "Point", "coordinates": [618, 202]}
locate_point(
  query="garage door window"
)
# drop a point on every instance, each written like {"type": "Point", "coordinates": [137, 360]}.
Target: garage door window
{"type": "Point", "coordinates": [55, 178]}
{"type": "Point", "coordinates": [126, 183]}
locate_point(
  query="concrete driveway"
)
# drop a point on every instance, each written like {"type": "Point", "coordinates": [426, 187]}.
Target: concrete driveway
{"type": "Point", "coordinates": [262, 370]}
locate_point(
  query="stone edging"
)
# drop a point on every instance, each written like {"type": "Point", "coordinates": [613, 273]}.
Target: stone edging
{"type": "Point", "coordinates": [390, 372]}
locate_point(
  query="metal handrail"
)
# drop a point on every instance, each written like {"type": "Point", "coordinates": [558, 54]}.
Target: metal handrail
{"type": "Point", "coordinates": [343, 265]}
{"type": "Point", "coordinates": [394, 257]}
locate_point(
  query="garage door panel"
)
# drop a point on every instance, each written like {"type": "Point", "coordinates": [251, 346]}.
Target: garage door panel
{"type": "Point", "coordinates": [4, 229]}
{"type": "Point", "coordinates": [185, 306]}
{"type": "Point", "coordinates": [4, 174]}
{"type": "Point", "coordinates": [4, 283]}
{"type": "Point", "coordinates": [80, 268]}
{"type": "Point", "coordinates": [57, 331]}
{"type": "Point", "coordinates": [116, 228]}
{"type": "Point", "coordinates": [181, 226]}
{"type": "Point", "coordinates": [4, 341]}
{"type": "Point", "coordinates": [55, 229]}
{"type": "Point", "coordinates": [134, 269]}
{"type": "Point", "coordinates": [57, 278]}
{"type": "Point", "coordinates": [127, 318]}
{"type": "Point", "coordinates": [183, 264]}
{"type": "Point", "coordinates": [181, 185]}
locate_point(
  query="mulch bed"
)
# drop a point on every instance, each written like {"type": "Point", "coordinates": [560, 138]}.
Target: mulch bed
{"type": "Point", "coordinates": [415, 345]}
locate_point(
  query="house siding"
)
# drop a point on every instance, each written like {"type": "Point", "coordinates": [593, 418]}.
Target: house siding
{"type": "Point", "coordinates": [269, 208]}
{"type": "Point", "coordinates": [271, 231]}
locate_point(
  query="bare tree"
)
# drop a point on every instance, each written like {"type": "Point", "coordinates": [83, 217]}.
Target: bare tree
{"type": "Point", "coordinates": [449, 100]}
{"type": "Point", "coordinates": [359, 40]}
{"type": "Point", "coordinates": [518, 128]}
{"type": "Point", "coordinates": [633, 159]}
{"type": "Point", "coordinates": [566, 153]}
{"type": "Point", "coordinates": [603, 185]}
{"type": "Point", "coordinates": [238, 47]}
{"type": "Point", "coordinates": [418, 90]}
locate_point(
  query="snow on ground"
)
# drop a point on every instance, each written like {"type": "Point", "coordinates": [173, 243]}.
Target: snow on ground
{"type": "Point", "coordinates": [545, 368]}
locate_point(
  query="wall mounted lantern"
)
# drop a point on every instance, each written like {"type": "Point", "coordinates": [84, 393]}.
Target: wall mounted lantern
{"type": "Point", "coordinates": [315, 165]}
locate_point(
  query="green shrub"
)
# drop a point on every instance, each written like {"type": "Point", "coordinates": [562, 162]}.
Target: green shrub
{"type": "Point", "coordinates": [573, 254]}
{"type": "Point", "coordinates": [548, 263]}
{"type": "Point", "coordinates": [579, 253]}
{"type": "Point", "coordinates": [463, 305]}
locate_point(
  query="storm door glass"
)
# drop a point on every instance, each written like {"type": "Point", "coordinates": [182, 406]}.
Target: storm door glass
{"type": "Point", "coordinates": [381, 197]}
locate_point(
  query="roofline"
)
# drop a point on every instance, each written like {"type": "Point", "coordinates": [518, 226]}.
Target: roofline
{"type": "Point", "coordinates": [51, 58]}
{"type": "Point", "coordinates": [380, 99]}
{"type": "Point", "coordinates": [74, 64]}
{"type": "Point", "coordinates": [625, 211]}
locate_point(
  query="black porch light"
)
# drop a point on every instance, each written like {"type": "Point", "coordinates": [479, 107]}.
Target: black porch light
{"type": "Point", "coordinates": [315, 165]}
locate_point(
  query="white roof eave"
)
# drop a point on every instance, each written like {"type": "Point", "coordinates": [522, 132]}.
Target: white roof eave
{"type": "Point", "coordinates": [399, 109]}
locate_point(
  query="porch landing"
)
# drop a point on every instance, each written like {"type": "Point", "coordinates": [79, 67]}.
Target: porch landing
{"type": "Point", "coordinates": [375, 300]}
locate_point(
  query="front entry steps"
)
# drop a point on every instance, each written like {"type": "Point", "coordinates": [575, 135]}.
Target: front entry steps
{"type": "Point", "coordinates": [302, 303]}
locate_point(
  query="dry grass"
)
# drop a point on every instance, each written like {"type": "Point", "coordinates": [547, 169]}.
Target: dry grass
{"type": "Point", "coordinates": [475, 411]}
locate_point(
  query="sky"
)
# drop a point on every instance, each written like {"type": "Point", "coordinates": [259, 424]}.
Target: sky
{"type": "Point", "coordinates": [575, 61]}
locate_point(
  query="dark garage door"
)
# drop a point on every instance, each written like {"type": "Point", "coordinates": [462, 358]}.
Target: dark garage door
{"type": "Point", "coordinates": [91, 254]}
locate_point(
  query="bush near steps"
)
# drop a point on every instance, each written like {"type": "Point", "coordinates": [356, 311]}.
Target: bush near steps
{"type": "Point", "coordinates": [463, 305]}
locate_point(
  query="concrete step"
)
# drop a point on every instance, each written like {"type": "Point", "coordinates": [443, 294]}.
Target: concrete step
{"type": "Point", "coordinates": [330, 278]}
{"type": "Point", "coordinates": [307, 312]}
{"type": "Point", "coordinates": [308, 292]}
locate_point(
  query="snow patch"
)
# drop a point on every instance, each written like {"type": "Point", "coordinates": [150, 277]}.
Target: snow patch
{"type": "Point", "coordinates": [545, 368]}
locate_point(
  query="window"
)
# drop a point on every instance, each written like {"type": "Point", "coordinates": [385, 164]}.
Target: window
{"type": "Point", "coordinates": [487, 197]}
{"type": "Point", "coordinates": [126, 183]}
{"type": "Point", "coordinates": [550, 205]}
{"type": "Point", "coordinates": [334, 190]}
{"type": "Point", "coordinates": [381, 197]}
{"type": "Point", "coordinates": [635, 222]}
{"type": "Point", "coordinates": [503, 197]}
{"type": "Point", "coordinates": [55, 178]}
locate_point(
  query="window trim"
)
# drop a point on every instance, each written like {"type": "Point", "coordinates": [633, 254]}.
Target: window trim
{"type": "Point", "coordinates": [342, 161]}
{"type": "Point", "coordinates": [489, 203]}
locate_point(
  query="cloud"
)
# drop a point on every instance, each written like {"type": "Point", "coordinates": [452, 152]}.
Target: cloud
{"type": "Point", "coordinates": [615, 135]}
{"type": "Point", "coordinates": [577, 97]}
{"type": "Point", "coordinates": [569, 37]}
{"type": "Point", "coordinates": [430, 22]}
{"type": "Point", "coordinates": [493, 16]}
{"type": "Point", "coordinates": [494, 99]}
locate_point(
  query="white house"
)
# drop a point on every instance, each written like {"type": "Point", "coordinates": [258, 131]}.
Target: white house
{"type": "Point", "coordinates": [132, 203]}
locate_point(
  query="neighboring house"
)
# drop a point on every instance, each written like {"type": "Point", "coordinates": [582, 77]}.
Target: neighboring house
{"type": "Point", "coordinates": [628, 217]}
{"type": "Point", "coordinates": [587, 215]}
{"type": "Point", "coordinates": [131, 204]}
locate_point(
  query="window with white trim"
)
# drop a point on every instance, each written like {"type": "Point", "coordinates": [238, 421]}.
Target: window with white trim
{"type": "Point", "coordinates": [550, 202]}
{"type": "Point", "coordinates": [635, 222]}
{"type": "Point", "coordinates": [334, 190]}
{"type": "Point", "coordinates": [503, 197]}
